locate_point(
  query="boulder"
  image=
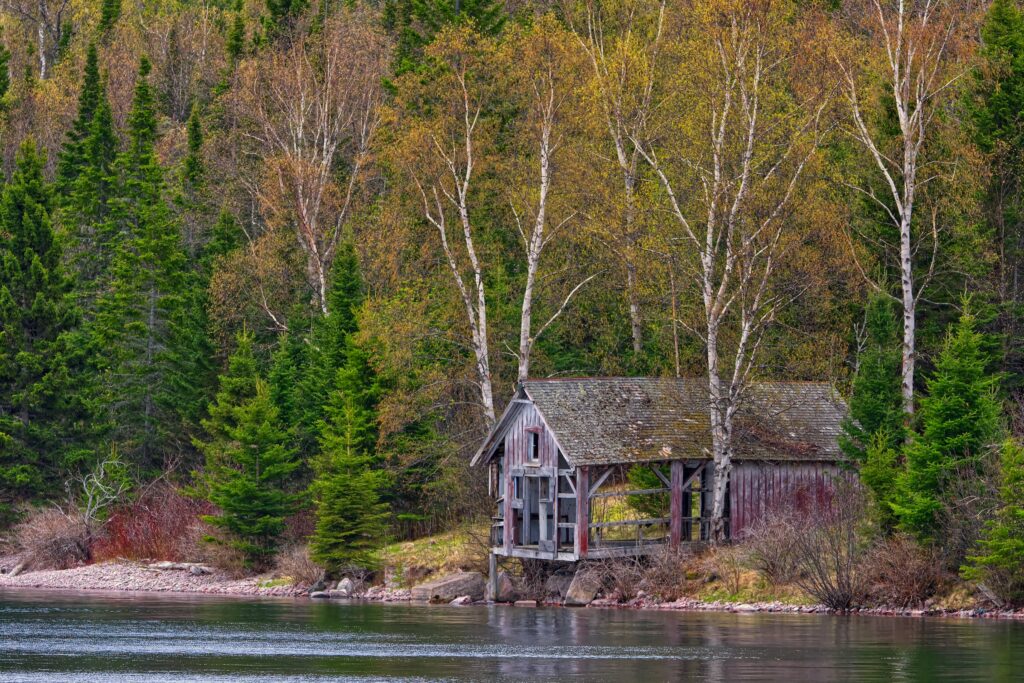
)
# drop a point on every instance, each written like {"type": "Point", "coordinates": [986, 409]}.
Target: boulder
{"type": "Point", "coordinates": [526, 603]}
{"type": "Point", "coordinates": [447, 588]}
{"type": "Point", "coordinates": [18, 568]}
{"type": "Point", "coordinates": [319, 595]}
{"type": "Point", "coordinates": [556, 587]}
{"type": "Point", "coordinates": [506, 589]}
{"type": "Point", "coordinates": [583, 589]}
{"type": "Point", "coordinates": [462, 600]}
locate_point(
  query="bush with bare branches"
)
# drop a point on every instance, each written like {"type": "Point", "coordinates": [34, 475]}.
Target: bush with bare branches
{"type": "Point", "coordinates": [295, 563]}
{"type": "Point", "coordinates": [771, 545]}
{"type": "Point", "coordinates": [902, 573]}
{"type": "Point", "coordinates": [162, 524]}
{"type": "Point", "coordinates": [664, 574]}
{"type": "Point", "coordinates": [830, 549]}
{"type": "Point", "coordinates": [51, 538]}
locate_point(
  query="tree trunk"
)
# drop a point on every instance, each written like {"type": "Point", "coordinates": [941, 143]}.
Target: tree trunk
{"type": "Point", "coordinates": [909, 324]}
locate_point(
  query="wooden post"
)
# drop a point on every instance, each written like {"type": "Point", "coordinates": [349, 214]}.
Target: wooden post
{"type": "Point", "coordinates": [492, 568]}
{"type": "Point", "coordinates": [676, 503]}
{"type": "Point", "coordinates": [582, 510]}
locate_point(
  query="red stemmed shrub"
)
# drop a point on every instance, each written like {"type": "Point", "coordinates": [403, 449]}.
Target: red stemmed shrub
{"type": "Point", "coordinates": [162, 524]}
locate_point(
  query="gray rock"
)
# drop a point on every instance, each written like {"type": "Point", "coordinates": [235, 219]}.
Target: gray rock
{"type": "Point", "coordinates": [449, 587]}
{"type": "Point", "coordinates": [583, 589]}
{"type": "Point", "coordinates": [557, 587]}
{"type": "Point", "coordinates": [506, 589]}
{"type": "Point", "coordinates": [745, 608]}
{"type": "Point", "coordinates": [346, 586]}
{"type": "Point", "coordinates": [18, 568]}
{"type": "Point", "coordinates": [319, 595]}
{"type": "Point", "coordinates": [197, 570]}
{"type": "Point", "coordinates": [462, 600]}
{"type": "Point", "coordinates": [526, 603]}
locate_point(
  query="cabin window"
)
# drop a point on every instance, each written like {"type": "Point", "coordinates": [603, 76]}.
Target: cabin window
{"type": "Point", "coordinates": [533, 447]}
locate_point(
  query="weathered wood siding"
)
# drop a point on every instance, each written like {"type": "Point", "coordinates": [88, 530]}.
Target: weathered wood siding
{"type": "Point", "coordinates": [517, 441]}
{"type": "Point", "coordinates": [757, 487]}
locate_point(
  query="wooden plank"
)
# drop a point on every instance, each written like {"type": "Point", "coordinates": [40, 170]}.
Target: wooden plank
{"type": "Point", "coordinates": [629, 522]}
{"type": "Point", "coordinates": [633, 492]}
{"type": "Point", "coordinates": [656, 468]}
{"type": "Point", "coordinates": [677, 472]}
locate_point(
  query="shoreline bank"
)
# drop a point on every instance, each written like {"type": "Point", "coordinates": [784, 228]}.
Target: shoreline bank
{"type": "Point", "coordinates": [134, 577]}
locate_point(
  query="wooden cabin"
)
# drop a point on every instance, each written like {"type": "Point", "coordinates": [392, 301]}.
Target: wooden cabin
{"type": "Point", "coordinates": [610, 467]}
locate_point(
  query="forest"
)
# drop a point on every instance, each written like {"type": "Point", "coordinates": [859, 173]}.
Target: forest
{"type": "Point", "coordinates": [282, 262]}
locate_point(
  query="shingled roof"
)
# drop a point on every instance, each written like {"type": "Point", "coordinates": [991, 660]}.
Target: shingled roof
{"type": "Point", "coordinates": [600, 421]}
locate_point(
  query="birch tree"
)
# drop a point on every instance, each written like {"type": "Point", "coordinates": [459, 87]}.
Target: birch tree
{"type": "Point", "coordinates": [48, 19]}
{"type": "Point", "coordinates": [546, 75]}
{"type": "Point", "coordinates": [917, 55]}
{"type": "Point", "coordinates": [314, 110]}
{"type": "Point", "coordinates": [729, 156]}
{"type": "Point", "coordinates": [622, 41]}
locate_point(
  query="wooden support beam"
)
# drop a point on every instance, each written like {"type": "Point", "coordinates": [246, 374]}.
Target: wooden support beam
{"type": "Point", "coordinates": [676, 503]}
{"type": "Point", "coordinates": [582, 511]}
{"type": "Point", "coordinates": [601, 480]}
{"type": "Point", "coordinates": [656, 468]}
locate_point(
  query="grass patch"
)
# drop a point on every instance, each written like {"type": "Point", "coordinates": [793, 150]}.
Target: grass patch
{"type": "Point", "coordinates": [463, 549]}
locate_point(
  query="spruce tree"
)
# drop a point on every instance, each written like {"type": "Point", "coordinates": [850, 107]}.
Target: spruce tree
{"type": "Point", "coordinates": [235, 43]}
{"type": "Point", "coordinates": [86, 210]}
{"type": "Point", "coordinates": [43, 414]}
{"type": "Point", "coordinates": [960, 419]}
{"type": "Point", "coordinates": [246, 475]}
{"type": "Point", "coordinates": [5, 74]}
{"type": "Point", "coordinates": [414, 23]}
{"type": "Point", "coordinates": [135, 318]}
{"type": "Point", "coordinates": [999, 561]}
{"type": "Point", "coordinates": [110, 12]}
{"type": "Point", "coordinates": [73, 154]}
{"type": "Point", "coordinates": [351, 519]}
{"type": "Point", "coordinates": [876, 405]}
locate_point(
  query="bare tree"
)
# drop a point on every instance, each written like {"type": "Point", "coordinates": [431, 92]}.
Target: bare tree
{"type": "Point", "coordinates": [919, 44]}
{"type": "Point", "coordinates": [622, 42]}
{"type": "Point", "coordinates": [47, 19]}
{"type": "Point", "coordinates": [737, 148]}
{"type": "Point", "coordinates": [314, 112]}
{"type": "Point", "coordinates": [548, 77]}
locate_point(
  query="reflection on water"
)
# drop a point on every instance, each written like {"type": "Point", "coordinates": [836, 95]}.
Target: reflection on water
{"type": "Point", "coordinates": [79, 637]}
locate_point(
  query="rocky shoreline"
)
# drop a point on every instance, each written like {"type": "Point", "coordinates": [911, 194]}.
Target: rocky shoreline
{"type": "Point", "coordinates": [127, 576]}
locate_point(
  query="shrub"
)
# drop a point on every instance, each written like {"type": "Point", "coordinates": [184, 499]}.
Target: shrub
{"type": "Point", "coordinates": [51, 538]}
{"type": "Point", "coordinates": [295, 563]}
{"type": "Point", "coordinates": [902, 573]}
{"type": "Point", "coordinates": [999, 562]}
{"type": "Point", "coordinates": [665, 574]}
{"type": "Point", "coordinates": [162, 524]}
{"type": "Point", "coordinates": [771, 545]}
{"type": "Point", "coordinates": [829, 549]}
{"type": "Point", "coordinates": [622, 578]}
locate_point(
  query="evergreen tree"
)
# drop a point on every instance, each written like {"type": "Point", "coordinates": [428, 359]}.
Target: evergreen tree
{"type": "Point", "coordinates": [998, 130]}
{"type": "Point", "coordinates": [1000, 559]}
{"type": "Point", "coordinates": [110, 12]}
{"type": "Point", "coordinates": [193, 170]}
{"type": "Point", "coordinates": [235, 43]}
{"type": "Point", "coordinates": [135, 319]}
{"type": "Point", "coordinates": [282, 14]}
{"type": "Point", "coordinates": [86, 211]}
{"type": "Point", "coordinates": [5, 73]}
{"type": "Point", "coordinates": [74, 152]}
{"type": "Point", "coordinates": [43, 419]}
{"type": "Point", "coordinates": [876, 406]}
{"type": "Point", "coordinates": [351, 519]}
{"type": "Point", "coordinates": [246, 474]}
{"type": "Point", "coordinates": [414, 23]}
{"type": "Point", "coordinates": [880, 471]}
{"type": "Point", "coordinates": [960, 418]}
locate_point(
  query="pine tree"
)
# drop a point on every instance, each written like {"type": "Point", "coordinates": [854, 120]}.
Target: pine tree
{"type": "Point", "coordinates": [414, 23]}
{"type": "Point", "coordinates": [246, 474]}
{"type": "Point", "coordinates": [110, 12]}
{"type": "Point", "coordinates": [134, 324]}
{"type": "Point", "coordinates": [1000, 559]}
{"type": "Point", "coordinates": [235, 43]}
{"type": "Point", "coordinates": [351, 519]}
{"type": "Point", "coordinates": [193, 170]}
{"type": "Point", "coordinates": [5, 73]}
{"type": "Point", "coordinates": [43, 420]}
{"type": "Point", "coordinates": [876, 405]}
{"type": "Point", "coordinates": [73, 154]}
{"type": "Point", "coordinates": [85, 213]}
{"type": "Point", "coordinates": [960, 419]}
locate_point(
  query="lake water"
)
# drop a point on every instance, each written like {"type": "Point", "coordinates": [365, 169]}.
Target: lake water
{"type": "Point", "coordinates": [47, 636]}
